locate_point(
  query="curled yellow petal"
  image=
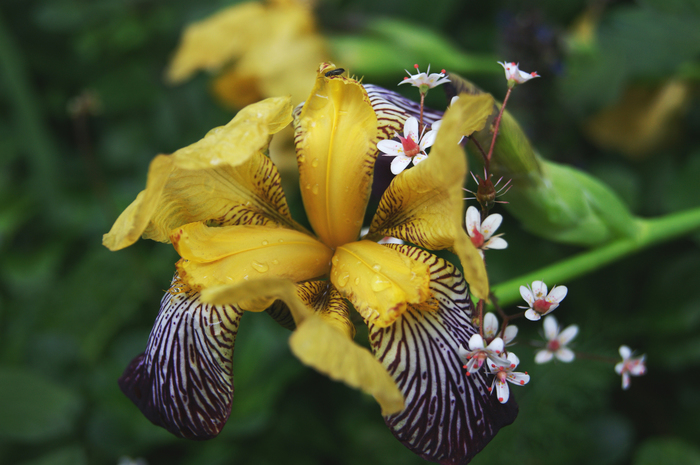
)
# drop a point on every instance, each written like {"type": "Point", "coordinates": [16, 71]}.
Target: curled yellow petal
{"type": "Point", "coordinates": [335, 138]}
{"type": "Point", "coordinates": [319, 344]}
{"type": "Point", "coordinates": [231, 254]}
{"type": "Point", "coordinates": [224, 178]}
{"type": "Point", "coordinates": [327, 303]}
{"type": "Point", "coordinates": [424, 205]}
{"type": "Point", "coordinates": [379, 281]}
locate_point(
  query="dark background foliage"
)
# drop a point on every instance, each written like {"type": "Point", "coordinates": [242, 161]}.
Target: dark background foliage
{"type": "Point", "coordinates": [84, 108]}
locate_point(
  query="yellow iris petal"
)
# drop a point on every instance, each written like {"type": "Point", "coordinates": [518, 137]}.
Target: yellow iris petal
{"type": "Point", "coordinates": [335, 137]}
{"type": "Point", "coordinates": [328, 304]}
{"type": "Point", "coordinates": [224, 178]}
{"type": "Point", "coordinates": [379, 281]}
{"type": "Point", "coordinates": [319, 344]}
{"type": "Point", "coordinates": [424, 205]}
{"type": "Point", "coordinates": [231, 254]}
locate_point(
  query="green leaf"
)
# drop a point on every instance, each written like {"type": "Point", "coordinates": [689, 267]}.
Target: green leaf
{"type": "Point", "coordinates": [71, 455]}
{"type": "Point", "coordinates": [34, 408]}
{"type": "Point", "coordinates": [667, 450]}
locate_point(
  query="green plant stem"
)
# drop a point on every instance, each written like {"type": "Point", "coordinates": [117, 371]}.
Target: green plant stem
{"type": "Point", "coordinates": [651, 231]}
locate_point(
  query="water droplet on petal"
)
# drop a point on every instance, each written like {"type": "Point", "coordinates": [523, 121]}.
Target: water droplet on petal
{"type": "Point", "coordinates": [265, 242]}
{"type": "Point", "coordinates": [315, 189]}
{"type": "Point", "coordinates": [357, 280]}
{"type": "Point", "coordinates": [260, 267]}
{"type": "Point", "coordinates": [308, 186]}
{"type": "Point", "coordinates": [377, 268]}
{"type": "Point", "coordinates": [302, 159]}
{"type": "Point", "coordinates": [379, 283]}
{"type": "Point", "coordinates": [343, 279]}
{"type": "Point", "coordinates": [275, 262]}
{"type": "Point", "coordinates": [314, 163]}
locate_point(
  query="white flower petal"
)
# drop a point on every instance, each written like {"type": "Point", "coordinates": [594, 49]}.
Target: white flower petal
{"type": "Point", "coordinates": [390, 147]}
{"type": "Point", "coordinates": [551, 328]}
{"type": "Point", "coordinates": [436, 125]}
{"type": "Point", "coordinates": [565, 355]}
{"type": "Point", "coordinates": [525, 293]}
{"type": "Point", "coordinates": [625, 352]}
{"type": "Point", "coordinates": [490, 325]}
{"type": "Point", "coordinates": [410, 129]}
{"type": "Point", "coordinates": [496, 345]}
{"type": "Point", "coordinates": [568, 334]}
{"type": "Point", "coordinates": [514, 360]}
{"type": "Point", "coordinates": [428, 139]}
{"type": "Point", "coordinates": [491, 224]}
{"type": "Point", "coordinates": [618, 367]}
{"type": "Point", "coordinates": [557, 294]}
{"type": "Point", "coordinates": [474, 222]}
{"type": "Point", "coordinates": [539, 288]}
{"type": "Point", "coordinates": [496, 243]}
{"type": "Point", "coordinates": [543, 356]}
{"type": "Point", "coordinates": [502, 392]}
{"type": "Point", "coordinates": [625, 380]}
{"type": "Point", "coordinates": [462, 353]}
{"type": "Point", "coordinates": [419, 158]}
{"type": "Point", "coordinates": [518, 378]}
{"type": "Point", "coordinates": [476, 342]}
{"type": "Point", "coordinates": [532, 315]}
{"type": "Point", "coordinates": [399, 164]}
{"type": "Point", "coordinates": [510, 333]}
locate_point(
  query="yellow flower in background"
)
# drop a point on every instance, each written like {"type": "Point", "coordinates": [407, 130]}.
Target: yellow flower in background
{"type": "Point", "coordinates": [257, 49]}
{"type": "Point", "coordinates": [219, 202]}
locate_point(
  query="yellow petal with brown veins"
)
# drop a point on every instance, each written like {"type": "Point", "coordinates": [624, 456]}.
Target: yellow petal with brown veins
{"type": "Point", "coordinates": [232, 254]}
{"type": "Point", "coordinates": [319, 344]}
{"type": "Point", "coordinates": [335, 137]}
{"type": "Point", "coordinates": [424, 205]}
{"type": "Point", "coordinates": [224, 178]}
{"type": "Point", "coordinates": [379, 281]}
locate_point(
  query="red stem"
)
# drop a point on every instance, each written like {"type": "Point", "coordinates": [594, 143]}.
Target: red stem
{"type": "Point", "coordinates": [497, 125]}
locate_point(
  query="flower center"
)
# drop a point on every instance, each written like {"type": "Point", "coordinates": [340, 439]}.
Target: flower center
{"type": "Point", "coordinates": [502, 376]}
{"type": "Point", "coordinates": [553, 346]}
{"type": "Point", "coordinates": [477, 238]}
{"type": "Point", "coordinates": [410, 148]}
{"type": "Point", "coordinates": [541, 306]}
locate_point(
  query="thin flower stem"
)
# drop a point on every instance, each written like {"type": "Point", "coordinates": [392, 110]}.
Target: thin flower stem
{"type": "Point", "coordinates": [650, 232]}
{"type": "Point", "coordinates": [422, 101]}
{"type": "Point", "coordinates": [496, 125]}
{"type": "Point", "coordinates": [481, 150]}
{"type": "Point", "coordinates": [480, 308]}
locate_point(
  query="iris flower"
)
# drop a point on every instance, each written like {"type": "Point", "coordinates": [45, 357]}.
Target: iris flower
{"type": "Point", "coordinates": [219, 202]}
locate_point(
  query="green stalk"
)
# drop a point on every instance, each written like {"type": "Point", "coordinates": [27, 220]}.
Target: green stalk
{"type": "Point", "coordinates": [650, 232]}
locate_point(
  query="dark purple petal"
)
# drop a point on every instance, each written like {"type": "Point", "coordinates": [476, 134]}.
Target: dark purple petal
{"type": "Point", "coordinates": [184, 380]}
{"type": "Point", "coordinates": [449, 417]}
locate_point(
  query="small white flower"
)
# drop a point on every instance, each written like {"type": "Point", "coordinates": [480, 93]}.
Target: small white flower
{"type": "Point", "coordinates": [540, 303]}
{"type": "Point", "coordinates": [410, 148]}
{"type": "Point", "coordinates": [635, 366]}
{"type": "Point", "coordinates": [478, 353]}
{"type": "Point", "coordinates": [491, 329]}
{"type": "Point", "coordinates": [425, 81]}
{"type": "Point", "coordinates": [556, 342]}
{"type": "Point", "coordinates": [481, 234]}
{"type": "Point", "coordinates": [515, 76]}
{"type": "Point", "coordinates": [505, 372]}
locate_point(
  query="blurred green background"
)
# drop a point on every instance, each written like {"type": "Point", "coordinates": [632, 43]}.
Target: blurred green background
{"type": "Point", "coordinates": [84, 107]}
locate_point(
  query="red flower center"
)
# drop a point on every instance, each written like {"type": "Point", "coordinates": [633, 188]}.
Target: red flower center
{"type": "Point", "coordinates": [410, 148]}
{"type": "Point", "coordinates": [553, 346]}
{"type": "Point", "coordinates": [541, 306]}
{"type": "Point", "coordinates": [477, 238]}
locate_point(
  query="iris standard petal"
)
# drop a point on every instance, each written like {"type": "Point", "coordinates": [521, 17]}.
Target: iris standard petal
{"type": "Point", "coordinates": [223, 178]}
{"type": "Point", "coordinates": [449, 417]}
{"type": "Point", "coordinates": [379, 281]}
{"type": "Point", "coordinates": [424, 205]}
{"type": "Point", "coordinates": [336, 143]}
{"type": "Point", "coordinates": [319, 343]}
{"type": "Point", "coordinates": [231, 254]}
{"type": "Point", "coordinates": [183, 382]}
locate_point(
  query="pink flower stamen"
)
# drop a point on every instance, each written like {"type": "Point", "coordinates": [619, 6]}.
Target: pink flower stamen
{"type": "Point", "coordinates": [410, 148]}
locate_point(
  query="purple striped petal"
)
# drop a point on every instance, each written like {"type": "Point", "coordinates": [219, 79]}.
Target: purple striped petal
{"type": "Point", "coordinates": [406, 106]}
{"type": "Point", "coordinates": [183, 382]}
{"type": "Point", "coordinates": [449, 417]}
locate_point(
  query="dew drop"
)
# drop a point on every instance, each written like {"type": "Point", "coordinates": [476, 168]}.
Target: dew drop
{"type": "Point", "coordinates": [275, 262]}
{"type": "Point", "coordinates": [377, 268]}
{"type": "Point", "coordinates": [260, 267]}
{"type": "Point", "coordinates": [314, 163]}
{"type": "Point", "coordinates": [265, 242]}
{"type": "Point", "coordinates": [302, 159]}
{"type": "Point", "coordinates": [308, 186]}
{"type": "Point", "coordinates": [315, 189]}
{"type": "Point", "coordinates": [357, 280]}
{"type": "Point", "coordinates": [343, 279]}
{"type": "Point", "coordinates": [335, 261]}
{"type": "Point", "coordinates": [379, 283]}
